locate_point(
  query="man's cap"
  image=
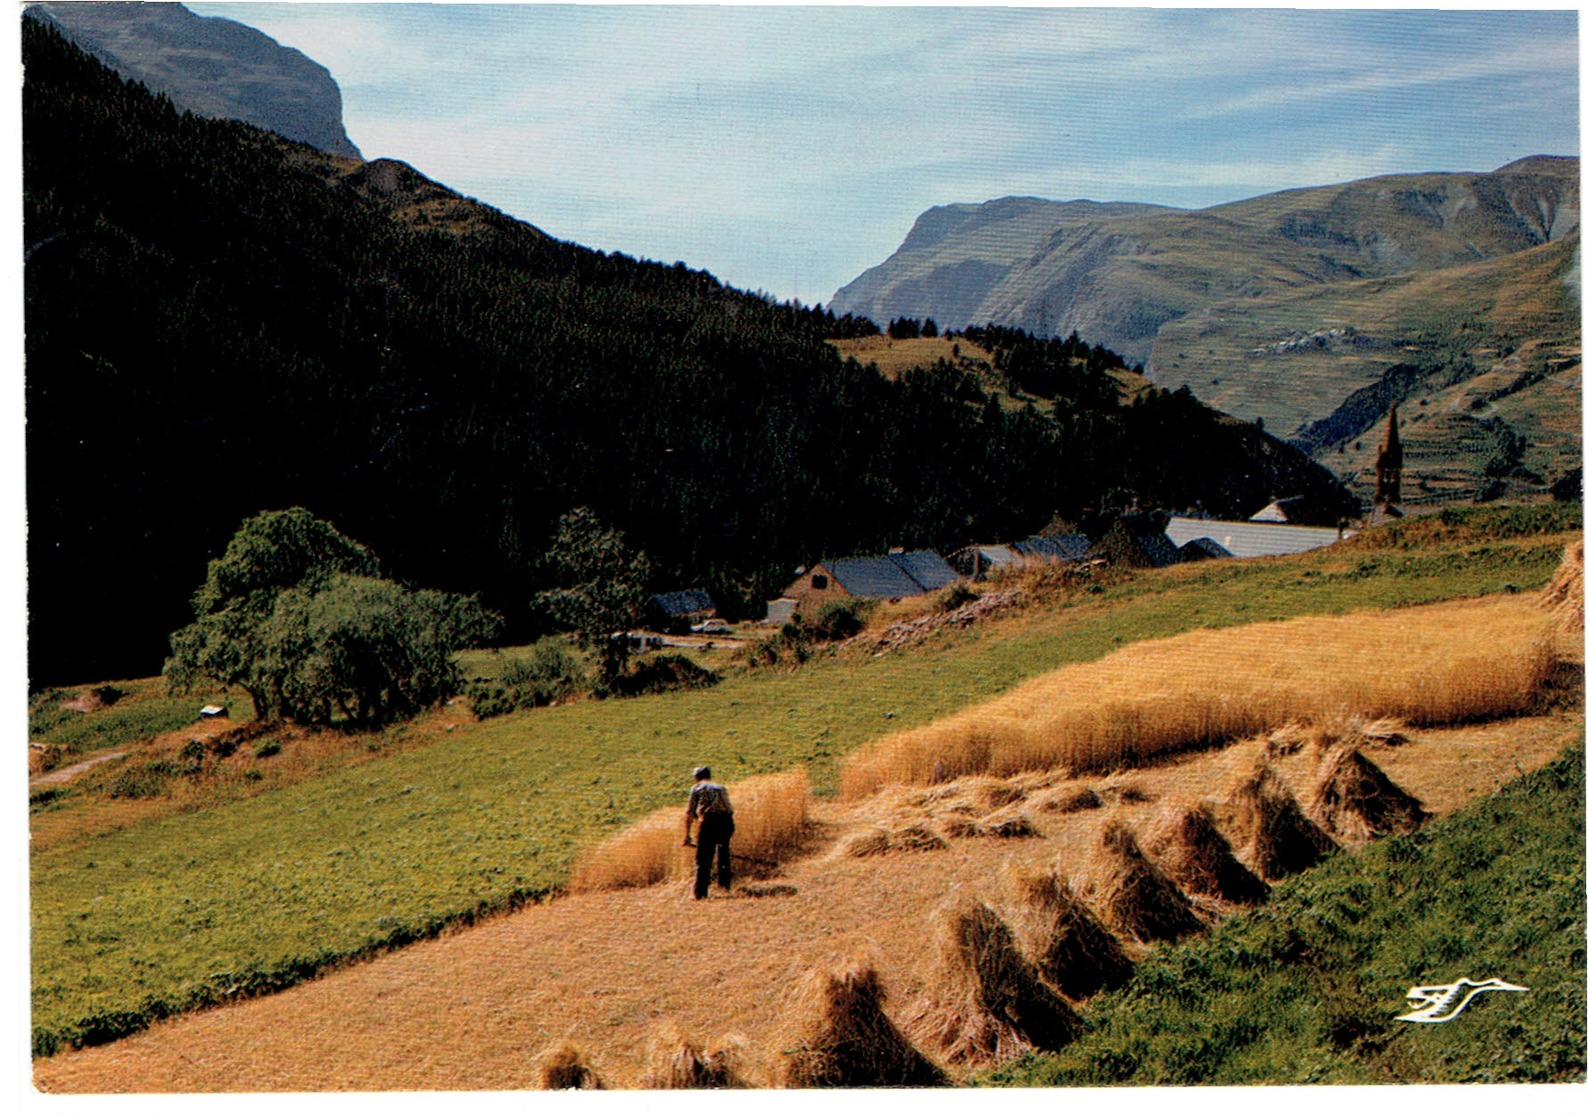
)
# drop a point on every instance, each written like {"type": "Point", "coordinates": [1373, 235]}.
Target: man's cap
{"type": "Point", "coordinates": [703, 773]}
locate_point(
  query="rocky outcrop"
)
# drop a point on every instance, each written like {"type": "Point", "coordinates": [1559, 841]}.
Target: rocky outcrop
{"type": "Point", "coordinates": [211, 67]}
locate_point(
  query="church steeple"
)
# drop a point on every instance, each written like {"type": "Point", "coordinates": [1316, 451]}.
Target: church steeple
{"type": "Point", "coordinates": [1388, 490]}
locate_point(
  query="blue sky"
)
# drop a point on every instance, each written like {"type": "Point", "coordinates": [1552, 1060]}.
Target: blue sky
{"type": "Point", "coordinates": [789, 149]}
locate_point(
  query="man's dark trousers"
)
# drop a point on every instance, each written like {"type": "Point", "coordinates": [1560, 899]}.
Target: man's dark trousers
{"type": "Point", "coordinates": [715, 830]}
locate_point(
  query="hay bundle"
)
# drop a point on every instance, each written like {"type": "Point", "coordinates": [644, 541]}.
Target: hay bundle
{"type": "Point", "coordinates": [987, 793]}
{"type": "Point", "coordinates": [959, 826]}
{"type": "Point", "coordinates": [1354, 800]}
{"type": "Point", "coordinates": [837, 1034]}
{"type": "Point", "coordinates": [1186, 844]}
{"type": "Point", "coordinates": [867, 843]}
{"type": "Point", "coordinates": [1069, 802]}
{"type": "Point", "coordinates": [563, 1068]}
{"type": "Point", "coordinates": [1563, 596]}
{"type": "Point", "coordinates": [916, 836]}
{"type": "Point", "coordinates": [1289, 738]}
{"type": "Point", "coordinates": [1062, 936]}
{"type": "Point", "coordinates": [678, 1063]}
{"type": "Point", "coordinates": [1131, 892]}
{"type": "Point", "coordinates": [985, 1002]}
{"type": "Point", "coordinates": [1124, 793]}
{"type": "Point", "coordinates": [1006, 824]}
{"type": "Point", "coordinates": [1278, 839]}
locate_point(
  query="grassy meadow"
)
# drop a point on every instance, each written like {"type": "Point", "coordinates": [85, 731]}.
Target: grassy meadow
{"type": "Point", "coordinates": [1305, 989]}
{"type": "Point", "coordinates": [158, 913]}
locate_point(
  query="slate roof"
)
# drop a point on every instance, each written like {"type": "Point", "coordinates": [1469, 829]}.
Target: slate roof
{"type": "Point", "coordinates": [1064, 548]}
{"type": "Point", "coordinates": [1203, 548]}
{"type": "Point", "coordinates": [926, 568]}
{"type": "Point", "coordinates": [681, 603]}
{"type": "Point", "coordinates": [1246, 539]}
{"type": "Point", "coordinates": [902, 574]}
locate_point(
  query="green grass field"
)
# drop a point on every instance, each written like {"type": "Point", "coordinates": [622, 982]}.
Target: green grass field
{"type": "Point", "coordinates": [1306, 989]}
{"type": "Point", "coordinates": [184, 910]}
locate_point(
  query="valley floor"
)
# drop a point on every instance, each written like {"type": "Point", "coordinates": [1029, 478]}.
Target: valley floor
{"type": "Point", "coordinates": [606, 971]}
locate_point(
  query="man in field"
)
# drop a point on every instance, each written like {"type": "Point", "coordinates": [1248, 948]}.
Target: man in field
{"type": "Point", "coordinates": [709, 803]}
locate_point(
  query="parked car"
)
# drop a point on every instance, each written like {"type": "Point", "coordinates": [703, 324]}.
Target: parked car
{"type": "Point", "coordinates": [715, 625]}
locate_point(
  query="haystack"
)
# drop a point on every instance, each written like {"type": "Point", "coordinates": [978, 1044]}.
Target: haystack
{"type": "Point", "coordinates": [1131, 892]}
{"type": "Point", "coordinates": [678, 1063]}
{"type": "Point", "coordinates": [1069, 945]}
{"type": "Point", "coordinates": [984, 1002]}
{"type": "Point", "coordinates": [1563, 596]}
{"type": "Point", "coordinates": [563, 1068]}
{"type": "Point", "coordinates": [1354, 800]}
{"type": "Point", "coordinates": [837, 1034]}
{"type": "Point", "coordinates": [867, 843]}
{"type": "Point", "coordinates": [1069, 802]}
{"type": "Point", "coordinates": [1276, 838]}
{"type": "Point", "coordinates": [1186, 844]}
{"type": "Point", "coordinates": [916, 837]}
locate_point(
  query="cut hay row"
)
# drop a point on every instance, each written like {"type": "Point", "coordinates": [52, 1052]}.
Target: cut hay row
{"type": "Point", "coordinates": [770, 814]}
{"type": "Point", "coordinates": [1423, 665]}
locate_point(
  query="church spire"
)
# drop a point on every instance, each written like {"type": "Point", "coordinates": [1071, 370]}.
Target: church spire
{"type": "Point", "coordinates": [1388, 490]}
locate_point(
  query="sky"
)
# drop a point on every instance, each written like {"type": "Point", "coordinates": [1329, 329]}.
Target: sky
{"type": "Point", "coordinates": [789, 149]}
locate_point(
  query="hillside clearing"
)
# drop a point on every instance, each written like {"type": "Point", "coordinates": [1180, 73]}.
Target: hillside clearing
{"type": "Point", "coordinates": [604, 971]}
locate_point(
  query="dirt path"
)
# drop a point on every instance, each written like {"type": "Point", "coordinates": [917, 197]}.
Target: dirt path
{"type": "Point", "coordinates": [62, 775]}
{"type": "Point", "coordinates": [470, 1011]}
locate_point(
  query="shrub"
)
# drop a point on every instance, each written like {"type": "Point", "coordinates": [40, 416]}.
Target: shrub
{"type": "Point", "coordinates": [839, 619]}
{"type": "Point", "coordinates": [267, 747]}
{"type": "Point", "coordinates": [953, 596]}
{"type": "Point", "coordinates": [551, 672]}
{"type": "Point", "coordinates": [663, 673]}
{"type": "Point", "coordinates": [148, 781]}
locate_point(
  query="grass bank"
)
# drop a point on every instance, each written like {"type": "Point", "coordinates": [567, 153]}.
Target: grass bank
{"type": "Point", "coordinates": [1307, 988]}
{"type": "Point", "coordinates": [165, 914]}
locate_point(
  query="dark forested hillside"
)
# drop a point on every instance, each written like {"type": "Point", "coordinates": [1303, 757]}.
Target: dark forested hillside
{"type": "Point", "coordinates": [220, 321]}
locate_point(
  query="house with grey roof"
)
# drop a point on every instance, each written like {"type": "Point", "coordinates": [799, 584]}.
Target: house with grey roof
{"type": "Point", "coordinates": [980, 559]}
{"type": "Point", "coordinates": [889, 577]}
{"type": "Point", "coordinates": [676, 611]}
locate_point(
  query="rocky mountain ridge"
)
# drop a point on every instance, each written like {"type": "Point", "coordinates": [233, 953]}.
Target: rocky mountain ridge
{"type": "Point", "coordinates": [1118, 272]}
{"type": "Point", "coordinates": [211, 67]}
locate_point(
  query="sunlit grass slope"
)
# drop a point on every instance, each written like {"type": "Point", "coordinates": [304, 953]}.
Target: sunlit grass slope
{"type": "Point", "coordinates": [164, 915]}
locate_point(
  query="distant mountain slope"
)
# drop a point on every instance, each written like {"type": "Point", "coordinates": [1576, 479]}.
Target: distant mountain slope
{"type": "Point", "coordinates": [219, 321]}
{"type": "Point", "coordinates": [213, 67]}
{"type": "Point", "coordinates": [1117, 273]}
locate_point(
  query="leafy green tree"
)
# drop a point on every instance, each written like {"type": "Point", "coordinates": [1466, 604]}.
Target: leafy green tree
{"type": "Point", "coordinates": [293, 614]}
{"type": "Point", "coordinates": [602, 589]}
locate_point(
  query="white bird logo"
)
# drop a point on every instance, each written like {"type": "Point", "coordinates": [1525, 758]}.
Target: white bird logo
{"type": "Point", "coordinates": [1432, 1004]}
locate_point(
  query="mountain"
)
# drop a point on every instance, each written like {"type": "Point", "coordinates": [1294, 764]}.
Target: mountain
{"type": "Point", "coordinates": [1278, 307]}
{"type": "Point", "coordinates": [221, 321]}
{"type": "Point", "coordinates": [210, 66]}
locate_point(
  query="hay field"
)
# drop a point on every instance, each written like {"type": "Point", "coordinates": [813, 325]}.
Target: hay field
{"type": "Point", "coordinates": [1433, 665]}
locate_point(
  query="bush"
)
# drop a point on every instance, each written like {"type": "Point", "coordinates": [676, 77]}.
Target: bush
{"type": "Point", "coordinates": [953, 596]}
{"type": "Point", "coordinates": [268, 747]}
{"type": "Point", "coordinates": [662, 673]}
{"type": "Point", "coordinates": [839, 620]}
{"type": "Point", "coordinates": [551, 672]}
{"type": "Point", "coordinates": [146, 782]}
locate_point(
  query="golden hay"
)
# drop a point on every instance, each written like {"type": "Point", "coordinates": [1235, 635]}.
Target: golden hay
{"type": "Point", "coordinates": [678, 1063]}
{"type": "Point", "coordinates": [770, 815]}
{"type": "Point", "coordinates": [1068, 802]}
{"type": "Point", "coordinates": [1185, 843]}
{"type": "Point", "coordinates": [563, 1068]}
{"type": "Point", "coordinates": [1354, 800]}
{"type": "Point", "coordinates": [1563, 597]}
{"type": "Point", "coordinates": [836, 1033]}
{"type": "Point", "coordinates": [1277, 839]}
{"type": "Point", "coordinates": [867, 843]}
{"type": "Point", "coordinates": [984, 1001]}
{"type": "Point", "coordinates": [1069, 945]}
{"type": "Point", "coordinates": [1213, 686]}
{"type": "Point", "coordinates": [917, 837]}
{"type": "Point", "coordinates": [1132, 894]}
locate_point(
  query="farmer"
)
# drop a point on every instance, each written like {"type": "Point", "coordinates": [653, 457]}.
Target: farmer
{"type": "Point", "coordinates": [708, 802]}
